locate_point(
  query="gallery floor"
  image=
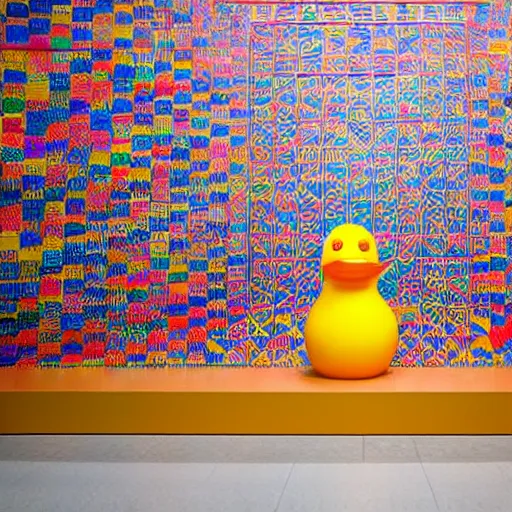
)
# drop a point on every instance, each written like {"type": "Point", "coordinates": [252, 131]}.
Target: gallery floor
{"type": "Point", "coordinates": [255, 473]}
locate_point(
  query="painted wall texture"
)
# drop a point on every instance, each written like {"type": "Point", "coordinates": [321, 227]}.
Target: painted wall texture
{"type": "Point", "coordinates": [170, 168]}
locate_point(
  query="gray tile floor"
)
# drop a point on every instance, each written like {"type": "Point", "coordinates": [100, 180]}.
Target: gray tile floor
{"type": "Point", "coordinates": [238, 474]}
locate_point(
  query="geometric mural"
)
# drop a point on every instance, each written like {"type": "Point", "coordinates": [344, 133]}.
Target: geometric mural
{"type": "Point", "coordinates": [168, 171]}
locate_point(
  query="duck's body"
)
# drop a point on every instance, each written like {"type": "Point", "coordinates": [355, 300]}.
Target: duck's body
{"type": "Point", "coordinates": [351, 332]}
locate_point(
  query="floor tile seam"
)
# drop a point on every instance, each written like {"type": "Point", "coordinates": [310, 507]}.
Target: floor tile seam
{"type": "Point", "coordinates": [292, 468]}
{"type": "Point", "coordinates": [429, 483]}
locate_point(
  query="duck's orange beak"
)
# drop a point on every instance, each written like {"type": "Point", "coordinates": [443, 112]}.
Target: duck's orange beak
{"type": "Point", "coordinates": [353, 270]}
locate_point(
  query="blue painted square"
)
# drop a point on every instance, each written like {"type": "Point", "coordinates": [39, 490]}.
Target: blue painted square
{"type": "Point", "coordinates": [182, 98]}
{"type": "Point", "coordinates": [220, 99]}
{"type": "Point", "coordinates": [182, 74]}
{"type": "Point", "coordinates": [82, 14]}
{"type": "Point", "coordinates": [201, 105]}
{"type": "Point", "coordinates": [497, 112]}
{"type": "Point", "coordinates": [72, 286]}
{"type": "Point", "coordinates": [480, 267]}
{"type": "Point", "coordinates": [71, 322]}
{"type": "Point", "coordinates": [142, 142]}
{"type": "Point", "coordinates": [162, 66]}
{"type": "Point", "coordinates": [16, 34]}
{"type": "Point", "coordinates": [497, 226]}
{"type": "Point", "coordinates": [124, 71]}
{"type": "Point", "coordinates": [159, 224]}
{"type": "Point", "coordinates": [40, 6]}
{"type": "Point", "coordinates": [75, 206]}
{"type": "Point", "coordinates": [480, 299]}
{"type": "Point", "coordinates": [141, 32]}
{"type": "Point", "coordinates": [37, 122]}
{"type": "Point", "coordinates": [59, 82]}
{"type": "Point", "coordinates": [123, 18]}
{"type": "Point", "coordinates": [101, 120]}
{"type": "Point", "coordinates": [178, 153]}
{"type": "Point", "coordinates": [200, 141]}
{"type": "Point", "coordinates": [33, 182]}
{"type": "Point", "coordinates": [141, 162]}
{"type": "Point", "coordinates": [497, 319]}
{"type": "Point", "coordinates": [33, 210]}
{"type": "Point", "coordinates": [198, 265]}
{"type": "Point", "coordinates": [498, 298]}
{"type": "Point", "coordinates": [77, 106]}
{"type": "Point", "coordinates": [238, 141]}
{"type": "Point", "coordinates": [72, 229]}
{"type": "Point", "coordinates": [478, 168]}
{"type": "Point", "coordinates": [39, 26]}
{"type": "Point", "coordinates": [17, 10]}
{"type": "Point", "coordinates": [72, 348]}
{"type": "Point", "coordinates": [122, 106]}
{"type": "Point", "coordinates": [181, 17]}
{"type": "Point", "coordinates": [52, 260]}
{"type": "Point", "coordinates": [495, 139]}
{"type": "Point", "coordinates": [120, 210]}
{"type": "Point", "coordinates": [12, 76]}
{"type": "Point", "coordinates": [123, 86]}
{"type": "Point", "coordinates": [102, 54]}
{"type": "Point", "coordinates": [479, 80]}
{"type": "Point", "coordinates": [497, 195]}
{"type": "Point", "coordinates": [480, 195]}
{"type": "Point", "coordinates": [9, 271]}
{"type": "Point", "coordinates": [498, 263]}
{"type": "Point", "coordinates": [143, 12]}
{"type": "Point", "coordinates": [54, 193]}
{"type": "Point", "coordinates": [143, 119]}
{"type": "Point", "coordinates": [200, 123]}
{"type": "Point", "coordinates": [80, 34]}
{"type": "Point", "coordinates": [220, 130]}
{"type": "Point", "coordinates": [103, 6]}
{"type": "Point", "coordinates": [163, 140]}
{"type": "Point", "coordinates": [123, 43]}
{"type": "Point", "coordinates": [497, 175]}
{"type": "Point", "coordinates": [30, 239]}
{"type": "Point", "coordinates": [237, 113]}
{"type": "Point", "coordinates": [200, 42]}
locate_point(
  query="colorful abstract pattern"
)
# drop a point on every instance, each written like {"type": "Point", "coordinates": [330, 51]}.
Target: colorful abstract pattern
{"type": "Point", "coordinates": [169, 169]}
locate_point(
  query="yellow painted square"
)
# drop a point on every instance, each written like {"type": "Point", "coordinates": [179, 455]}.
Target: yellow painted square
{"type": "Point", "coordinates": [100, 158]}
{"type": "Point", "coordinates": [61, 15]}
{"type": "Point", "coordinates": [54, 209]}
{"type": "Point", "coordinates": [183, 64]}
{"type": "Point", "coordinates": [35, 167]}
{"type": "Point", "coordinates": [178, 269]}
{"type": "Point", "coordinates": [38, 89]}
{"type": "Point", "coordinates": [31, 254]}
{"type": "Point", "coordinates": [123, 32]}
{"type": "Point", "coordinates": [141, 130]}
{"type": "Point", "coordinates": [140, 174]}
{"type": "Point", "coordinates": [9, 242]}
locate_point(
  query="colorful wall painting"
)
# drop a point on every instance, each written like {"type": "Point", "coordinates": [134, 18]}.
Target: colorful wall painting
{"type": "Point", "coordinates": [169, 169]}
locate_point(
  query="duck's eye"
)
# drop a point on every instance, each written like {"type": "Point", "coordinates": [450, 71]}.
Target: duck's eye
{"type": "Point", "coordinates": [364, 245]}
{"type": "Point", "coordinates": [337, 245]}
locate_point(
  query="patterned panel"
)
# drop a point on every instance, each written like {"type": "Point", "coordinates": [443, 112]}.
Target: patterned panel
{"type": "Point", "coordinates": [169, 169]}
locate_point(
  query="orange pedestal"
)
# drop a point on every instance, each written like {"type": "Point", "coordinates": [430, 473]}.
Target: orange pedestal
{"type": "Point", "coordinates": [254, 401]}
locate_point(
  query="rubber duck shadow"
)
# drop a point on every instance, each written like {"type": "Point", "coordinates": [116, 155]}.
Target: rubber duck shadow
{"type": "Point", "coordinates": [310, 373]}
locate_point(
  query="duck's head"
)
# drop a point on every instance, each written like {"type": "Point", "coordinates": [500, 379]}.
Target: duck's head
{"type": "Point", "coordinates": [350, 254]}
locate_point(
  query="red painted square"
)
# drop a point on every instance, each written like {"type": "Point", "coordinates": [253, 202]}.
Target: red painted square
{"type": "Point", "coordinates": [10, 218]}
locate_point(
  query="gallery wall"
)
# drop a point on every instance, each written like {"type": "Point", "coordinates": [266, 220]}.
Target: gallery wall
{"type": "Point", "coordinates": [169, 169]}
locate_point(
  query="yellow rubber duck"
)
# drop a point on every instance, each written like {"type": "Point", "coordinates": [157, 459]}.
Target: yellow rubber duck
{"type": "Point", "coordinates": [351, 332]}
